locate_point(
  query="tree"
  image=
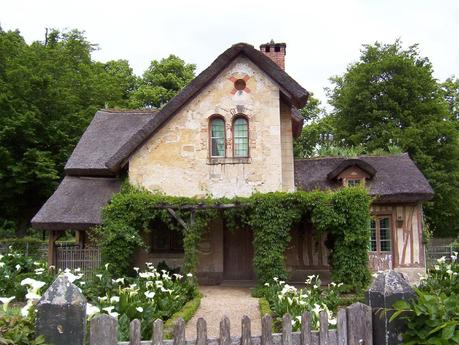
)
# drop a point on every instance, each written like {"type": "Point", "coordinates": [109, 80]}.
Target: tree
{"type": "Point", "coordinates": [162, 81]}
{"type": "Point", "coordinates": [450, 90]}
{"type": "Point", "coordinates": [49, 91]}
{"type": "Point", "coordinates": [389, 97]}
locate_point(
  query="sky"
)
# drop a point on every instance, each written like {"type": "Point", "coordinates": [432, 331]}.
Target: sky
{"type": "Point", "coordinates": [323, 37]}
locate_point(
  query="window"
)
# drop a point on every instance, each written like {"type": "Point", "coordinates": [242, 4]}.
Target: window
{"type": "Point", "coordinates": [217, 137]}
{"type": "Point", "coordinates": [353, 182]}
{"type": "Point", "coordinates": [380, 239]}
{"type": "Point", "coordinates": [165, 240]}
{"type": "Point", "coordinates": [241, 137]}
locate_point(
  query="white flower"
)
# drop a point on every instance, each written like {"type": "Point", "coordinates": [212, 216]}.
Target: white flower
{"type": "Point", "coordinates": [437, 268]}
{"type": "Point", "coordinates": [317, 309]}
{"type": "Point", "coordinates": [290, 301]}
{"type": "Point", "coordinates": [139, 309]}
{"type": "Point", "coordinates": [450, 272]}
{"type": "Point", "coordinates": [118, 281]}
{"type": "Point", "coordinates": [132, 286]}
{"type": "Point", "coordinates": [281, 282]}
{"type": "Point", "coordinates": [332, 321]}
{"type": "Point", "coordinates": [91, 310]}
{"type": "Point", "coordinates": [99, 276]}
{"type": "Point", "coordinates": [2, 264]}
{"type": "Point", "coordinates": [275, 279]}
{"type": "Point", "coordinates": [454, 256]}
{"type": "Point", "coordinates": [178, 276]}
{"type": "Point", "coordinates": [108, 309]}
{"type": "Point", "coordinates": [71, 277]}
{"type": "Point", "coordinates": [18, 267]}
{"type": "Point", "coordinates": [114, 299]}
{"type": "Point", "coordinates": [34, 284]}
{"type": "Point", "coordinates": [101, 299]}
{"type": "Point", "coordinates": [189, 275]}
{"type": "Point", "coordinates": [5, 301]}
{"type": "Point", "coordinates": [136, 269]}
{"type": "Point", "coordinates": [114, 314]}
{"type": "Point", "coordinates": [442, 260]}
{"type": "Point", "coordinates": [32, 296]}
{"type": "Point", "coordinates": [149, 294]}
{"type": "Point", "coordinates": [267, 284]}
{"type": "Point", "coordinates": [25, 309]}
{"type": "Point", "coordinates": [106, 266]}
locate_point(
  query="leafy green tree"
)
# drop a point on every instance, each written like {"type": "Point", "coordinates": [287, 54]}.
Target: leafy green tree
{"type": "Point", "coordinates": [450, 90]}
{"type": "Point", "coordinates": [49, 91]}
{"type": "Point", "coordinates": [389, 97]}
{"type": "Point", "coordinates": [162, 81]}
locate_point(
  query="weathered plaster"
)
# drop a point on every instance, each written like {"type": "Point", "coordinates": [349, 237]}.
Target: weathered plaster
{"type": "Point", "coordinates": [175, 160]}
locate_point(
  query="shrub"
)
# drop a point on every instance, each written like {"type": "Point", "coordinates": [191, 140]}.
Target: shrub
{"type": "Point", "coordinates": [433, 317]}
{"type": "Point", "coordinates": [284, 298]}
{"type": "Point", "coordinates": [18, 330]}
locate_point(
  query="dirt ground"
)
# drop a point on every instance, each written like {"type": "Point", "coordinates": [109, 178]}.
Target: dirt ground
{"type": "Point", "coordinates": [217, 301]}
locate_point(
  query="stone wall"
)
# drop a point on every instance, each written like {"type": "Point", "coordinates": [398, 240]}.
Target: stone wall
{"type": "Point", "coordinates": [176, 160]}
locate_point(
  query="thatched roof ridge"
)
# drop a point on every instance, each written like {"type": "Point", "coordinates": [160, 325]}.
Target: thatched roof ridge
{"type": "Point", "coordinates": [76, 204]}
{"type": "Point", "coordinates": [397, 178]}
{"type": "Point", "coordinates": [348, 163]}
{"type": "Point", "coordinates": [297, 95]}
{"type": "Point", "coordinates": [107, 132]}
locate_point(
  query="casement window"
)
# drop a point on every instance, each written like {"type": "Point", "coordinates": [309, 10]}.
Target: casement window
{"type": "Point", "coordinates": [217, 137]}
{"type": "Point", "coordinates": [241, 137]}
{"type": "Point", "coordinates": [354, 182]}
{"type": "Point", "coordinates": [380, 240]}
{"type": "Point", "coordinates": [165, 240]}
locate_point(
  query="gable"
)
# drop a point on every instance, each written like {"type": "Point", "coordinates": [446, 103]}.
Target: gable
{"type": "Point", "coordinates": [291, 92]}
{"type": "Point", "coordinates": [176, 160]}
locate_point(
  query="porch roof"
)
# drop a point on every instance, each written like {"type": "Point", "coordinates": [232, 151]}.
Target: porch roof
{"type": "Point", "coordinates": [396, 178]}
{"type": "Point", "coordinates": [76, 204]}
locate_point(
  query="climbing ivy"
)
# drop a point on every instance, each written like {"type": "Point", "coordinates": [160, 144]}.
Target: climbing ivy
{"type": "Point", "coordinates": [343, 214]}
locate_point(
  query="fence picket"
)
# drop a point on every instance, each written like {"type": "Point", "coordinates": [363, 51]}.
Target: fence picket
{"type": "Point", "coordinates": [266, 330]}
{"type": "Point", "coordinates": [323, 331]}
{"type": "Point", "coordinates": [134, 332]}
{"type": "Point", "coordinates": [306, 329]}
{"type": "Point", "coordinates": [201, 332]}
{"type": "Point", "coordinates": [246, 332]}
{"type": "Point", "coordinates": [287, 330]}
{"type": "Point", "coordinates": [342, 327]}
{"type": "Point", "coordinates": [359, 324]}
{"type": "Point", "coordinates": [179, 332]}
{"type": "Point", "coordinates": [158, 333]}
{"type": "Point", "coordinates": [103, 330]}
{"type": "Point", "coordinates": [225, 335]}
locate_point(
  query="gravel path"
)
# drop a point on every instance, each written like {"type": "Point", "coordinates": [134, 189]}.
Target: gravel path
{"type": "Point", "coordinates": [217, 301]}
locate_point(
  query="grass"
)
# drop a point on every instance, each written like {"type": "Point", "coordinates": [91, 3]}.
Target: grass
{"type": "Point", "coordinates": [186, 313]}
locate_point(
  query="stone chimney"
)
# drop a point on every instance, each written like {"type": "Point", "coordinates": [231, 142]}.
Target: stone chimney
{"type": "Point", "coordinates": [276, 52]}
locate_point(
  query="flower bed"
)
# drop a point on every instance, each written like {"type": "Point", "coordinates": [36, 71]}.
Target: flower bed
{"type": "Point", "coordinates": [284, 298]}
{"type": "Point", "coordinates": [147, 296]}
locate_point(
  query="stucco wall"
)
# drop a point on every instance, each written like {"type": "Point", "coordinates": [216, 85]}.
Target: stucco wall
{"type": "Point", "coordinates": [175, 160]}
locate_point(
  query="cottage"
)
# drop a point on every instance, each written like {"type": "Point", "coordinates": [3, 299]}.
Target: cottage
{"type": "Point", "coordinates": [230, 133]}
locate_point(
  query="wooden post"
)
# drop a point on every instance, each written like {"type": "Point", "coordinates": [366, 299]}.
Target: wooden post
{"type": "Point", "coordinates": [287, 330]}
{"type": "Point", "coordinates": [306, 329]}
{"type": "Point", "coordinates": [201, 331]}
{"type": "Point", "coordinates": [341, 324]}
{"type": "Point", "coordinates": [246, 336]}
{"type": "Point", "coordinates": [61, 314]}
{"type": "Point", "coordinates": [103, 330]}
{"type": "Point", "coordinates": [158, 333]}
{"type": "Point", "coordinates": [323, 332]}
{"type": "Point", "coordinates": [266, 330]}
{"type": "Point", "coordinates": [134, 332]}
{"type": "Point", "coordinates": [51, 248]}
{"type": "Point", "coordinates": [359, 325]}
{"type": "Point", "coordinates": [179, 332]}
{"type": "Point", "coordinates": [225, 335]}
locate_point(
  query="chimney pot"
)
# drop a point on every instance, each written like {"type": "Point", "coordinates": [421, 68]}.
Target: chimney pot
{"type": "Point", "coordinates": [276, 52]}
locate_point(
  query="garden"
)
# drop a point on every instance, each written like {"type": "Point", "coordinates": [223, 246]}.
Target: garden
{"type": "Point", "coordinates": [147, 295]}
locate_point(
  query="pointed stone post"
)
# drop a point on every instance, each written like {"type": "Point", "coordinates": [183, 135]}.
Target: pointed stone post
{"type": "Point", "coordinates": [61, 314]}
{"type": "Point", "coordinates": [387, 288]}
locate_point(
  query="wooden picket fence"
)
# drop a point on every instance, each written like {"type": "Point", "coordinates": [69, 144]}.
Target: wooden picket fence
{"type": "Point", "coordinates": [354, 327]}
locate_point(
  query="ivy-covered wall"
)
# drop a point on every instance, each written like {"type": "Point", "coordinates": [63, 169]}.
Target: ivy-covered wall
{"type": "Point", "coordinates": [344, 214]}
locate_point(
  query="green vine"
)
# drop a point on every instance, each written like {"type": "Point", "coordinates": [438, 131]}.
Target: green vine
{"type": "Point", "coordinates": [343, 214]}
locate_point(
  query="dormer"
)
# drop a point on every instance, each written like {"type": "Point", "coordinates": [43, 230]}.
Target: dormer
{"type": "Point", "coordinates": [352, 172]}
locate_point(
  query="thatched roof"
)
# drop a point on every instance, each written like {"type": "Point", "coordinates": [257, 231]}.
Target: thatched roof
{"type": "Point", "coordinates": [76, 204]}
{"type": "Point", "coordinates": [107, 132]}
{"type": "Point", "coordinates": [292, 92]}
{"type": "Point", "coordinates": [396, 177]}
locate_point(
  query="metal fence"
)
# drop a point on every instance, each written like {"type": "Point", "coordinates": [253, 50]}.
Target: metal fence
{"type": "Point", "coordinates": [72, 257]}
{"type": "Point", "coordinates": [434, 253]}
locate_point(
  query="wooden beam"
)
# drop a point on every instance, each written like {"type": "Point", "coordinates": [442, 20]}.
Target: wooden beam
{"type": "Point", "coordinates": [177, 217]}
{"type": "Point", "coordinates": [51, 248]}
{"type": "Point", "coordinates": [200, 206]}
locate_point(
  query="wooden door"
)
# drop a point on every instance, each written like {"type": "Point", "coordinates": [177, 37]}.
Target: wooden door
{"type": "Point", "coordinates": [238, 255]}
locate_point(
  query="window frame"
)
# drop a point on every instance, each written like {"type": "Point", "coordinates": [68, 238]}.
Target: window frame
{"type": "Point", "coordinates": [235, 118]}
{"type": "Point", "coordinates": [174, 237]}
{"type": "Point", "coordinates": [211, 119]}
{"type": "Point", "coordinates": [377, 219]}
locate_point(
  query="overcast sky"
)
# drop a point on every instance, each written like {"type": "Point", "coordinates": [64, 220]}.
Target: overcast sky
{"type": "Point", "coordinates": [322, 37]}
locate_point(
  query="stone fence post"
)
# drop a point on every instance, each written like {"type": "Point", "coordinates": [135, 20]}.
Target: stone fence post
{"type": "Point", "coordinates": [61, 314]}
{"type": "Point", "coordinates": [387, 288]}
